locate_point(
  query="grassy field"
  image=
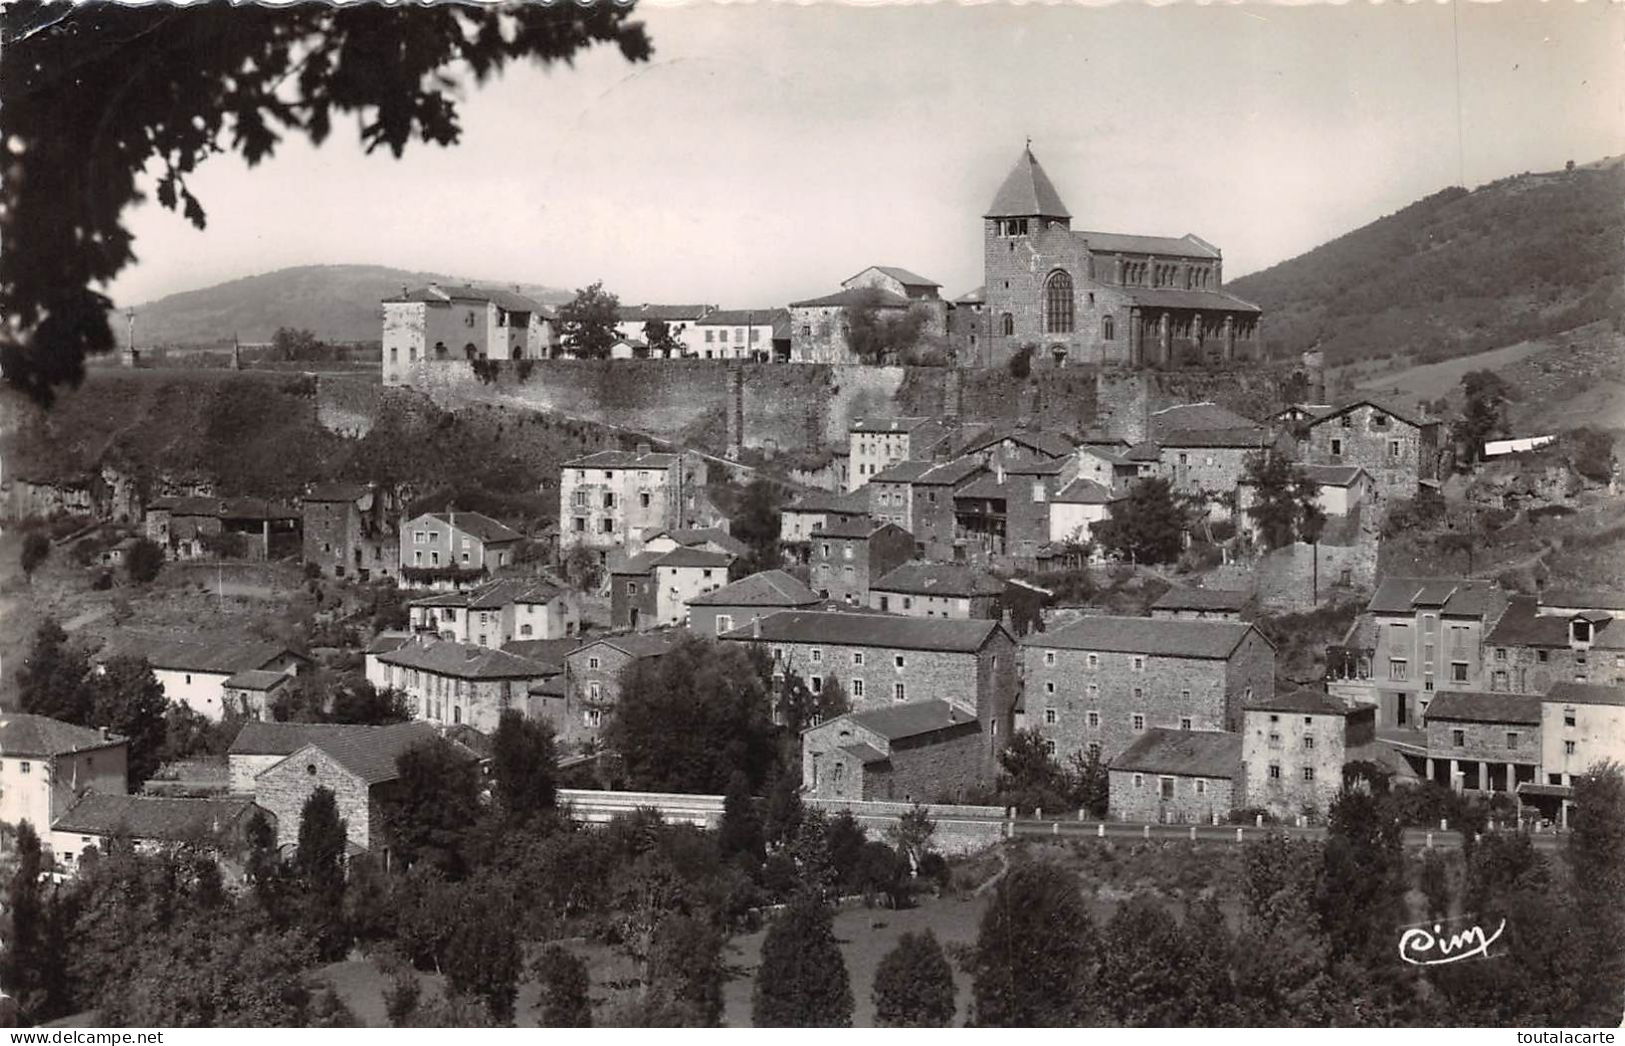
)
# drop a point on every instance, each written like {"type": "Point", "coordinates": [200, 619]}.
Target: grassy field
{"type": "Point", "coordinates": [1433, 380]}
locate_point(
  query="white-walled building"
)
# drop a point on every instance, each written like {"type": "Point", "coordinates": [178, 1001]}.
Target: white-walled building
{"type": "Point", "coordinates": [462, 323]}
{"type": "Point", "coordinates": [616, 498]}
{"type": "Point", "coordinates": [498, 614]}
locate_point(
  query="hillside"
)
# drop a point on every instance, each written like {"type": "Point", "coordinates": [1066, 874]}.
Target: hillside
{"type": "Point", "coordinates": [1456, 273]}
{"type": "Point", "coordinates": [338, 302]}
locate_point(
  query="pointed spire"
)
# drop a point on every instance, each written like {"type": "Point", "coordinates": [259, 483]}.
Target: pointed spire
{"type": "Point", "coordinates": [1027, 192]}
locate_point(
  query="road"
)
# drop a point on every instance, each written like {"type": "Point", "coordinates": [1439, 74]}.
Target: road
{"type": "Point", "coordinates": [1415, 838]}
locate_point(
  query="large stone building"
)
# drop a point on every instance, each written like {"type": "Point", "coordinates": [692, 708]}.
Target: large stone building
{"type": "Point", "coordinates": [46, 764]}
{"type": "Point", "coordinates": [498, 614]}
{"type": "Point", "coordinates": [846, 558]}
{"type": "Point", "coordinates": [1558, 636]}
{"type": "Point", "coordinates": [1097, 297]}
{"type": "Point", "coordinates": [1485, 742]}
{"type": "Point", "coordinates": [820, 328]}
{"type": "Point", "coordinates": [462, 323]}
{"type": "Point", "coordinates": [877, 444]}
{"type": "Point", "coordinates": [738, 604]}
{"type": "Point", "coordinates": [351, 530]}
{"type": "Point", "coordinates": [1176, 777]}
{"type": "Point", "coordinates": [1398, 447]}
{"type": "Point", "coordinates": [593, 673]}
{"type": "Point", "coordinates": [1101, 682]}
{"type": "Point", "coordinates": [1293, 748]}
{"type": "Point", "coordinates": [448, 683]}
{"type": "Point", "coordinates": [1582, 724]}
{"type": "Point", "coordinates": [920, 751]}
{"type": "Point", "coordinates": [448, 549]}
{"type": "Point", "coordinates": [618, 498]}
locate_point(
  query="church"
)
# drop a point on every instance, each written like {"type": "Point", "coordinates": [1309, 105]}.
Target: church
{"type": "Point", "coordinates": [1100, 298]}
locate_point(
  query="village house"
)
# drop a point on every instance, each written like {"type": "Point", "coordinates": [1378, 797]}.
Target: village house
{"type": "Point", "coordinates": [1199, 604]}
{"type": "Point", "coordinates": [593, 674]}
{"type": "Point", "coordinates": [1003, 517]}
{"type": "Point", "coordinates": [360, 769]}
{"type": "Point", "coordinates": [194, 672]}
{"type": "Point", "coordinates": [891, 493]}
{"type": "Point", "coordinates": [1077, 508]}
{"type": "Point", "coordinates": [467, 323]}
{"type": "Point", "coordinates": [932, 512]}
{"type": "Point", "coordinates": [1107, 462]}
{"type": "Point", "coordinates": [1101, 682]}
{"type": "Point", "coordinates": [1017, 446]}
{"type": "Point", "coordinates": [218, 827]}
{"type": "Point", "coordinates": [822, 468]}
{"type": "Point", "coordinates": [1176, 777]}
{"type": "Point", "coordinates": [968, 330]}
{"type": "Point", "coordinates": [261, 744]}
{"type": "Point", "coordinates": [351, 530]}
{"type": "Point", "coordinates": [921, 751]}
{"type": "Point", "coordinates": [450, 549]}
{"type": "Point", "coordinates": [251, 693]}
{"type": "Point", "coordinates": [950, 590]}
{"type": "Point", "coordinates": [1293, 747]}
{"type": "Point", "coordinates": [1581, 725]}
{"type": "Point", "coordinates": [847, 557]}
{"type": "Point", "coordinates": [738, 604]}
{"type": "Point", "coordinates": [811, 511]}
{"type": "Point", "coordinates": [705, 539]}
{"type": "Point", "coordinates": [191, 527]}
{"type": "Point", "coordinates": [682, 324]}
{"type": "Point", "coordinates": [1203, 448]}
{"type": "Point", "coordinates": [498, 614]}
{"type": "Point", "coordinates": [1419, 636]}
{"type": "Point", "coordinates": [616, 498]}
{"type": "Point", "coordinates": [1558, 636]}
{"type": "Point", "coordinates": [1340, 491]}
{"type": "Point", "coordinates": [737, 334]}
{"type": "Point", "coordinates": [46, 764]}
{"type": "Point", "coordinates": [1483, 742]}
{"type": "Point", "coordinates": [682, 574]}
{"type": "Point", "coordinates": [876, 444]}
{"type": "Point", "coordinates": [820, 327]}
{"type": "Point", "coordinates": [447, 682]}
{"type": "Point", "coordinates": [883, 660]}
{"type": "Point", "coordinates": [633, 591]}
{"type": "Point", "coordinates": [1397, 447]}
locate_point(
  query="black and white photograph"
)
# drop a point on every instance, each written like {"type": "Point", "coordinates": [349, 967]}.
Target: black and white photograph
{"type": "Point", "coordinates": [696, 514]}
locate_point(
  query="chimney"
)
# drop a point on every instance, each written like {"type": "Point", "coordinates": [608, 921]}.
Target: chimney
{"type": "Point", "coordinates": [998, 471]}
{"type": "Point", "coordinates": [756, 627]}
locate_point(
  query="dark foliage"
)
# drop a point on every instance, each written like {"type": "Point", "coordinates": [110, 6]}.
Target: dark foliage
{"type": "Point", "coordinates": [1035, 952]}
{"type": "Point", "coordinates": [318, 867]}
{"type": "Point", "coordinates": [55, 678]}
{"type": "Point", "coordinates": [565, 985]}
{"type": "Point", "coordinates": [1146, 527]}
{"type": "Point", "coordinates": [433, 807]}
{"type": "Point", "coordinates": [587, 323]}
{"type": "Point", "coordinates": [144, 561]}
{"type": "Point", "coordinates": [914, 985]}
{"type": "Point", "coordinates": [130, 703]}
{"type": "Point", "coordinates": [524, 765]}
{"type": "Point", "coordinates": [36, 547]}
{"type": "Point", "coordinates": [802, 982]}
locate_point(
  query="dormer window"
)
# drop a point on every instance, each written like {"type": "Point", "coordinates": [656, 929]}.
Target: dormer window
{"type": "Point", "coordinates": [1580, 630]}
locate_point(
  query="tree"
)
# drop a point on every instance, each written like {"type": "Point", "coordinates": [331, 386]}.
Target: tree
{"type": "Point", "coordinates": [912, 835]}
{"type": "Point", "coordinates": [784, 807]}
{"type": "Point", "coordinates": [802, 982]}
{"type": "Point", "coordinates": [1029, 777]}
{"type": "Point", "coordinates": [1362, 876]}
{"type": "Point", "coordinates": [587, 322]}
{"type": "Point", "coordinates": [1435, 884]}
{"type": "Point", "coordinates": [435, 802]}
{"type": "Point", "coordinates": [914, 985]}
{"type": "Point", "coordinates": [36, 547]}
{"type": "Point", "coordinates": [1032, 962]}
{"type": "Point", "coordinates": [28, 949]}
{"type": "Point", "coordinates": [878, 334]}
{"type": "Point", "coordinates": [688, 719]}
{"type": "Point", "coordinates": [318, 863]}
{"type": "Point", "coordinates": [1487, 395]}
{"type": "Point", "coordinates": [1148, 526]}
{"type": "Point", "coordinates": [686, 974]}
{"type": "Point", "coordinates": [1091, 783]}
{"type": "Point", "coordinates": [799, 707]}
{"type": "Point", "coordinates": [1591, 452]}
{"type": "Point", "coordinates": [582, 568]}
{"type": "Point", "coordinates": [657, 334]}
{"type": "Point", "coordinates": [483, 956]}
{"type": "Point", "coordinates": [164, 85]}
{"type": "Point", "coordinates": [756, 523]}
{"type": "Point", "coordinates": [130, 702]}
{"type": "Point", "coordinates": [741, 828]}
{"type": "Point", "coordinates": [564, 981]}
{"type": "Point", "coordinates": [1286, 502]}
{"type": "Point", "coordinates": [55, 678]}
{"type": "Point", "coordinates": [524, 765]}
{"type": "Point", "coordinates": [1597, 859]}
{"type": "Point", "coordinates": [144, 560]}
{"type": "Point", "coordinates": [1144, 967]}
{"type": "Point", "coordinates": [291, 343]}
{"type": "Point", "coordinates": [358, 701]}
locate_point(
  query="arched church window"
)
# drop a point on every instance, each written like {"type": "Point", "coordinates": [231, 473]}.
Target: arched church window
{"type": "Point", "coordinates": [1007, 324]}
{"type": "Point", "coordinates": [1058, 303]}
{"type": "Point", "coordinates": [1108, 329]}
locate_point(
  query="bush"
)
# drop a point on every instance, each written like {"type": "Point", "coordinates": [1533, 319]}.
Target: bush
{"type": "Point", "coordinates": [143, 562]}
{"type": "Point", "coordinates": [1021, 364]}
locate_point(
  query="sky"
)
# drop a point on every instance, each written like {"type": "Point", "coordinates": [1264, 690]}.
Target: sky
{"type": "Point", "coordinates": [768, 151]}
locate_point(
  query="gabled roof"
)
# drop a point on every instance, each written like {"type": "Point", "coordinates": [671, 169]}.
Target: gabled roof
{"type": "Point", "coordinates": [1333, 475]}
{"type": "Point", "coordinates": [693, 557]}
{"type": "Point", "coordinates": [862, 528]}
{"type": "Point", "coordinates": [912, 718]}
{"type": "Point", "coordinates": [902, 472]}
{"type": "Point", "coordinates": [1027, 192]}
{"type": "Point", "coordinates": [386, 641]}
{"type": "Point", "coordinates": [477, 524]}
{"type": "Point", "coordinates": [886, 426]}
{"type": "Point", "coordinates": [1405, 413]}
{"type": "Point", "coordinates": [1570, 693]}
{"type": "Point", "coordinates": [165, 818]}
{"type": "Point", "coordinates": [225, 656]}
{"type": "Point", "coordinates": [1252, 437]}
{"type": "Point", "coordinates": [689, 537]}
{"type": "Point", "coordinates": [637, 645]}
{"type": "Point", "coordinates": [1585, 598]}
{"type": "Point", "coordinates": [739, 318]}
{"type": "Point", "coordinates": [1467, 707]}
{"type": "Point", "coordinates": [939, 579]}
{"type": "Point", "coordinates": [1085, 492]}
{"type": "Point", "coordinates": [338, 492]}
{"type": "Point", "coordinates": [1302, 699]}
{"type": "Point", "coordinates": [256, 737]}
{"type": "Point", "coordinates": [257, 679]}
{"type": "Point", "coordinates": [868, 755]}
{"type": "Point", "coordinates": [549, 653]}
{"type": "Point", "coordinates": [1168, 298]}
{"type": "Point", "coordinates": [847, 503]}
{"type": "Point", "coordinates": [641, 563]}
{"type": "Point", "coordinates": [1165, 637]}
{"type": "Point", "coordinates": [903, 276]}
{"type": "Point", "coordinates": [663, 313]}
{"type": "Point", "coordinates": [1454, 597]}
{"type": "Point", "coordinates": [495, 595]}
{"type": "Point", "coordinates": [1184, 753]}
{"type": "Point", "coordinates": [1180, 598]}
{"type": "Point", "coordinates": [22, 733]}
{"type": "Point", "coordinates": [1188, 417]}
{"type": "Point", "coordinates": [870, 629]}
{"type": "Point", "coordinates": [973, 297]}
{"type": "Point", "coordinates": [1145, 450]}
{"type": "Point", "coordinates": [857, 296]}
{"type": "Point", "coordinates": [768, 588]}
{"type": "Point", "coordinates": [1053, 444]}
{"type": "Point", "coordinates": [950, 473]}
{"type": "Point", "coordinates": [623, 459]}
{"type": "Point", "coordinates": [373, 756]}
{"type": "Point", "coordinates": [513, 301]}
{"type": "Point", "coordinates": [1186, 246]}
{"type": "Point", "coordinates": [463, 661]}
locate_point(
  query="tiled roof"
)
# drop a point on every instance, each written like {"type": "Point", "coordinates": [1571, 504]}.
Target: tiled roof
{"type": "Point", "coordinates": [224, 508]}
{"type": "Point", "coordinates": [870, 629]}
{"type": "Point", "coordinates": [1523, 625]}
{"type": "Point", "coordinates": [857, 296]}
{"type": "Point", "coordinates": [1301, 699]}
{"type": "Point", "coordinates": [739, 318]}
{"type": "Point", "coordinates": [939, 579]}
{"type": "Point", "coordinates": [638, 644]}
{"type": "Point", "coordinates": [888, 425]}
{"type": "Point", "coordinates": [256, 737]}
{"type": "Point", "coordinates": [902, 472]}
{"type": "Point", "coordinates": [865, 754]}
{"type": "Point", "coordinates": [1581, 694]}
{"type": "Point", "coordinates": [1404, 412]}
{"type": "Point", "coordinates": [1164, 637]}
{"type": "Point", "coordinates": [549, 653]}
{"type": "Point", "coordinates": [1458, 706]}
{"type": "Point", "coordinates": [1027, 192]}
{"type": "Point", "coordinates": [862, 527]}
{"type": "Point", "coordinates": [950, 473]}
{"type": "Point", "coordinates": [688, 537]}
{"type": "Point", "coordinates": [694, 557]}
{"type": "Point", "coordinates": [495, 595]}
{"type": "Point", "coordinates": [769, 588]}
{"type": "Point", "coordinates": [257, 679]}
{"type": "Point", "coordinates": [641, 563]}
{"type": "Point", "coordinates": [1456, 597]}
{"type": "Point", "coordinates": [912, 718]}
{"type": "Point", "coordinates": [227, 656]}
{"type": "Point", "coordinates": [903, 276]}
{"type": "Point", "coordinates": [1180, 598]}
{"type": "Point", "coordinates": [1192, 417]}
{"type": "Point", "coordinates": [386, 641]}
{"type": "Point", "coordinates": [504, 299]}
{"type": "Point", "coordinates": [1169, 298]}
{"type": "Point", "coordinates": [973, 297]}
{"type": "Point", "coordinates": [1054, 444]}
{"type": "Point", "coordinates": [1085, 492]}
{"type": "Point", "coordinates": [24, 734]}
{"type": "Point", "coordinates": [152, 817]}
{"type": "Point", "coordinates": [338, 492]}
{"type": "Point", "coordinates": [1253, 436]}
{"type": "Point", "coordinates": [1185, 753]}
{"type": "Point", "coordinates": [479, 525]}
{"type": "Point", "coordinates": [1186, 246]}
{"type": "Point", "coordinates": [664, 313]}
{"type": "Point", "coordinates": [1584, 598]}
{"type": "Point", "coordinates": [987, 486]}
{"type": "Point", "coordinates": [622, 459]}
{"type": "Point", "coordinates": [372, 756]}
{"type": "Point", "coordinates": [1146, 451]}
{"type": "Point", "coordinates": [1332, 475]}
{"type": "Point", "coordinates": [849, 503]}
{"type": "Point", "coordinates": [463, 661]}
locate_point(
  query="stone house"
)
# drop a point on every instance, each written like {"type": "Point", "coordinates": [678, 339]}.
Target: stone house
{"type": "Point", "coordinates": [216, 826]}
{"type": "Point", "coordinates": [682, 323]}
{"type": "Point", "coordinates": [592, 675]}
{"type": "Point", "coordinates": [950, 590]}
{"type": "Point", "coordinates": [891, 492]}
{"type": "Point", "coordinates": [447, 682]}
{"type": "Point", "coordinates": [1199, 604]}
{"type": "Point", "coordinates": [1211, 462]}
{"type": "Point", "coordinates": [705, 539]}
{"type": "Point", "coordinates": [923, 293]}
{"type": "Point", "coordinates": [194, 527]}
{"type": "Point", "coordinates": [1397, 447]}
{"type": "Point", "coordinates": [968, 329]}
{"type": "Point", "coordinates": [1101, 682]}
{"type": "Point", "coordinates": [633, 592]}
{"type": "Point", "coordinates": [1076, 508]}
{"type": "Point", "coordinates": [1484, 742]}
{"type": "Point", "coordinates": [919, 751]}
{"type": "Point", "coordinates": [352, 530]}
{"type": "Point", "coordinates": [884, 660]}
{"type": "Point", "coordinates": [1581, 725]}
{"type": "Point", "coordinates": [251, 692]}
{"type": "Point", "coordinates": [194, 673]}
{"type": "Point", "coordinates": [1559, 636]}
{"type": "Point", "coordinates": [1293, 747]}
{"type": "Point", "coordinates": [261, 744]}
{"type": "Point", "coordinates": [935, 528]}
{"type": "Point", "coordinates": [360, 769]}
{"type": "Point", "coordinates": [437, 324]}
{"type": "Point", "coordinates": [1107, 463]}
{"type": "Point", "coordinates": [812, 511]}
{"type": "Point", "coordinates": [820, 327]}
{"type": "Point", "coordinates": [498, 613]}
{"type": "Point", "coordinates": [822, 468]}
{"type": "Point", "coordinates": [1176, 777]}
{"type": "Point", "coordinates": [847, 557]}
{"type": "Point", "coordinates": [616, 498]}
{"type": "Point", "coordinates": [876, 444]}
{"type": "Point", "coordinates": [737, 334]}
{"type": "Point", "coordinates": [1018, 445]}
{"type": "Point", "coordinates": [46, 764]}
{"type": "Point", "coordinates": [1003, 517]}
{"type": "Point", "coordinates": [449, 549]}
{"type": "Point", "coordinates": [682, 574]}
{"type": "Point", "coordinates": [1342, 489]}
{"type": "Point", "coordinates": [742, 602]}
